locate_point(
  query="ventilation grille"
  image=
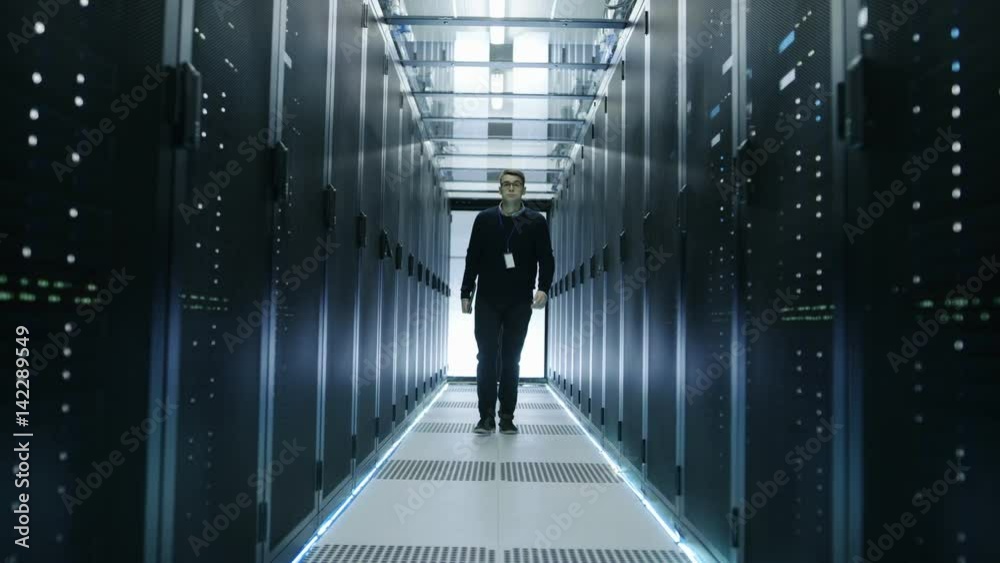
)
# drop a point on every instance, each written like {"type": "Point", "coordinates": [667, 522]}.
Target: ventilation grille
{"type": "Point", "coordinates": [475, 405]}
{"type": "Point", "coordinates": [444, 427]}
{"type": "Point", "coordinates": [539, 389]}
{"type": "Point", "coordinates": [435, 470]}
{"type": "Point", "coordinates": [533, 555]}
{"type": "Point", "coordinates": [549, 429]}
{"type": "Point", "coordinates": [471, 390]}
{"type": "Point", "coordinates": [543, 472]}
{"type": "Point", "coordinates": [456, 405]}
{"type": "Point", "coordinates": [339, 553]}
{"type": "Point", "coordinates": [540, 406]}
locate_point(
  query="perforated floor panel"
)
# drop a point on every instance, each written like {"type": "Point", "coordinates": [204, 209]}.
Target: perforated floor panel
{"type": "Point", "coordinates": [399, 554]}
{"type": "Point", "coordinates": [520, 555]}
{"type": "Point", "coordinates": [447, 495]}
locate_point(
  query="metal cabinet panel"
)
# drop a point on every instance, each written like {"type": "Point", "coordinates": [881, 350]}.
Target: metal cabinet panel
{"type": "Point", "coordinates": [662, 258]}
{"type": "Point", "coordinates": [80, 270]}
{"type": "Point", "coordinates": [709, 271]}
{"type": "Point", "coordinates": [633, 280]}
{"type": "Point", "coordinates": [922, 299]}
{"type": "Point", "coordinates": [389, 233]}
{"type": "Point", "coordinates": [300, 247]}
{"type": "Point", "coordinates": [403, 336]}
{"type": "Point", "coordinates": [587, 320]}
{"type": "Point", "coordinates": [223, 259]}
{"type": "Point", "coordinates": [369, 279]}
{"type": "Point", "coordinates": [342, 269]}
{"type": "Point", "coordinates": [789, 247]}
{"type": "Point", "coordinates": [600, 242]}
{"type": "Point", "coordinates": [613, 202]}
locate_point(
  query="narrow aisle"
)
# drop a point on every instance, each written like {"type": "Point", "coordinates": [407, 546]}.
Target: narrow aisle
{"type": "Point", "coordinates": [546, 495]}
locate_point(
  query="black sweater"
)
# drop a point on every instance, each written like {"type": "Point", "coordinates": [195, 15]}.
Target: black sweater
{"type": "Point", "coordinates": [528, 232]}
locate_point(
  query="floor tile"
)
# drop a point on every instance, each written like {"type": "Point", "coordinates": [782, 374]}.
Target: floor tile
{"type": "Point", "coordinates": [450, 447]}
{"type": "Point", "coordinates": [524, 447]}
{"type": "Point", "coordinates": [497, 514]}
{"type": "Point", "coordinates": [576, 515]}
{"type": "Point", "coordinates": [420, 513]}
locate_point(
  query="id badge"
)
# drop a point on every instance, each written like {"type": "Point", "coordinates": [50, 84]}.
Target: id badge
{"type": "Point", "coordinates": [508, 258]}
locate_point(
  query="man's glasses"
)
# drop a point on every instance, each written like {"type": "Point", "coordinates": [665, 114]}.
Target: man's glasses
{"type": "Point", "coordinates": [512, 185]}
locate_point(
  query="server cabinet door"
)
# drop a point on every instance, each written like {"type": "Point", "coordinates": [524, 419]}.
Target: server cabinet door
{"type": "Point", "coordinates": [552, 332]}
{"type": "Point", "coordinates": [223, 263]}
{"type": "Point", "coordinates": [412, 297]}
{"type": "Point", "coordinates": [301, 244]}
{"type": "Point", "coordinates": [403, 337]}
{"type": "Point", "coordinates": [600, 242]}
{"type": "Point", "coordinates": [587, 325]}
{"type": "Point", "coordinates": [82, 273]}
{"type": "Point", "coordinates": [790, 243]}
{"type": "Point", "coordinates": [923, 294]}
{"type": "Point", "coordinates": [558, 240]}
{"type": "Point", "coordinates": [370, 278]}
{"type": "Point", "coordinates": [663, 260]}
{"type": "Point", "coordinates": [579, 325]}
{"type": "Point", "coordinates": [633, 278]}
{"type": "Point", "coordinates": [390, 231]}
{"type": "Point", "coordinates": [710, 267]}
{"type": "Point", "coordinates": [342, 269]}
{"type": "Point", "coordinates": [613, 202]}
{"type": "Point", "coordinates": [572, 295]}
{"type": "Point", "coordinates": [423, 302]}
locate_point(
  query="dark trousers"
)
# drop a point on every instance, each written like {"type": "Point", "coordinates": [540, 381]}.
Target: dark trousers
{"type": "Point", "coordinates": [500, 331]}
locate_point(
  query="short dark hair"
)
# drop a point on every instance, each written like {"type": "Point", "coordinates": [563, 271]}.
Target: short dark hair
{"type": "Point", "coordinates": [512, 172]}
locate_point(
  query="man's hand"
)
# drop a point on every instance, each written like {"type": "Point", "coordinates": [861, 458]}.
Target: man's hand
{"type": "Point", "coordinates": [540, 299]}
{"type": "Point", "coordinates": [467, 306]}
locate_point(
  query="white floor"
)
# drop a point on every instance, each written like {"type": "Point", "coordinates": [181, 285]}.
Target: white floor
{"type": "Point", "coordinates": [446, 495]}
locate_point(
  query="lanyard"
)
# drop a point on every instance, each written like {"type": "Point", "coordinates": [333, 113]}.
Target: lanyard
{"type": "Point", "coordinates": [500, 222]}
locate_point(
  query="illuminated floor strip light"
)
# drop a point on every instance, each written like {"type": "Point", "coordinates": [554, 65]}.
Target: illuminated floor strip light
{"type": "Point", "coordinates": [673, 533]}
{"type": "Point", "coordinates": [364, 481]}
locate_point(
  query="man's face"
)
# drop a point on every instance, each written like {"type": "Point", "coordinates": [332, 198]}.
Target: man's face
{"type": "Point", "coordinates": [511, 188]}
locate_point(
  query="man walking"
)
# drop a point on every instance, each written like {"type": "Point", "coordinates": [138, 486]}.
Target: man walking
{"type": "Point", "coordinates": [509, 245]}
